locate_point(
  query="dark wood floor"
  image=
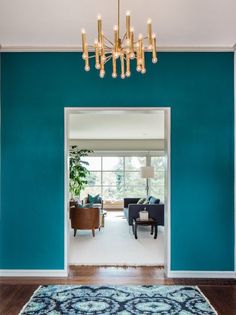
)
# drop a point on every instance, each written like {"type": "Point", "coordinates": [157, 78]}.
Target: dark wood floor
{"type": "Point", "coordinates": [15, 292]}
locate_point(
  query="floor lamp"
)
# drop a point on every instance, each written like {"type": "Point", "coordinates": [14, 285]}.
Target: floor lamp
{"type": "Point", "coordinates": [147, 172]}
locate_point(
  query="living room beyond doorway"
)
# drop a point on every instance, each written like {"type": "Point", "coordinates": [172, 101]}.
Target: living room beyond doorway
{"type": "Point", "coordinates": [117, 186]}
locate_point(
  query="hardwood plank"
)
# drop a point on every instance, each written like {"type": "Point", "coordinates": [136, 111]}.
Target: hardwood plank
{"type": "Point", "coordinates": [15, 292]}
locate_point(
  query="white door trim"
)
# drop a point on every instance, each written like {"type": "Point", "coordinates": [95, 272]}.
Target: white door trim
{"type": "Point", "coordinates": [235, 159]}
{"type": "Point", "coordinates": [69, 110]}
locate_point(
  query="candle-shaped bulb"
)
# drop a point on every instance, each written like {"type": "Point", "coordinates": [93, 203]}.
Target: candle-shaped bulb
{"type": "Point", "coordinates": [83, 42]}
{"type": "Point", "coordinates": [154, 53]}
{"type": "Point", "coordinates": [99, 28]}
{"type": "Point", "coordinates": [87, 68]}
{"type": "Point", "coordinates": [149, 32]}
{"type": "Point", "coordinates": [102, 74]}
{"type": "Point", "coordinates": [128, 24]}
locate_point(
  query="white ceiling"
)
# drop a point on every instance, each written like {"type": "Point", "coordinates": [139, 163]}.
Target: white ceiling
{"type": "Point", "coordinates": [57, 23]}
{"type": "Point", "coordinates": [118, 125]}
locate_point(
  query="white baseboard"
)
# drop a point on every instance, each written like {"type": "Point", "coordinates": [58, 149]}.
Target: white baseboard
{"type": "Point", "coordinates": [202, 274]}
{"type": "Point", "coordinates": [33, 273]}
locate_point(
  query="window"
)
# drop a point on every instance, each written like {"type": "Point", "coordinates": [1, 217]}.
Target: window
{"type": "Point", "coordinates": [116, 177]}
{"type": "Point", "coordinates": [157, 184]}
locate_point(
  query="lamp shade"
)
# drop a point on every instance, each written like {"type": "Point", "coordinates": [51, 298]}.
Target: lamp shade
{"type": "Point", "coordinates": [147, 172]}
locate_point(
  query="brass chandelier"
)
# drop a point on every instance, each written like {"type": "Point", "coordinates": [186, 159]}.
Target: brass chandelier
{"type": "Point", "coordinates": [124, 48]}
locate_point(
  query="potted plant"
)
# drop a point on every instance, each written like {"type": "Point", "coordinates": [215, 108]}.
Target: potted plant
{"type": "Point", "coordinates": [78, 170]}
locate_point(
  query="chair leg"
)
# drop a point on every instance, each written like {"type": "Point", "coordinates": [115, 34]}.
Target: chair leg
{"type": "Point", "coordinates": [75, 232]}
{"type": "Point", "coordinates": [93, 232]}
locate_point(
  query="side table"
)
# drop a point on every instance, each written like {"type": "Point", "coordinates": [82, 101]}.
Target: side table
{"type": "Point", "coordinates": [150, 222]}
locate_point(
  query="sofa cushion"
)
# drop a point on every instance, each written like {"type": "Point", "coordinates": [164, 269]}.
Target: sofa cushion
{"type": "Point", "coordinates": [126, 213]}
{"type": "Point", "coordinates": [154, 201]}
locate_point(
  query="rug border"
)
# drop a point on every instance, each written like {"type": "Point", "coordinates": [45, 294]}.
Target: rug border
{"type": "Point", "coordinates": [196, 287]}
{"type": "Point", "coordinates": [200, 291]}
{"type": "Point", "coordinates": [25, 305]}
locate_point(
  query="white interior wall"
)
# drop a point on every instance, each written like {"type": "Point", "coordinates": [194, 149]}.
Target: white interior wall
{"type": "Point", "coordinates": [120, 145]}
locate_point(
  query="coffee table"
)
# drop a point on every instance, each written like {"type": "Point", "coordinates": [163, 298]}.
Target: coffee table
{"type": "Point", "coordinates": [150, 222]}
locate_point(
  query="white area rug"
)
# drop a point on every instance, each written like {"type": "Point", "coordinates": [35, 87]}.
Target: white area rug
{"type": "Point", "coordinates": [116, 245]}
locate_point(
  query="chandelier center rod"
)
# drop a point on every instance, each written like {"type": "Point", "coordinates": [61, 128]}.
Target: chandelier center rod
{"type": "Point", "coordinates": [118, 18]}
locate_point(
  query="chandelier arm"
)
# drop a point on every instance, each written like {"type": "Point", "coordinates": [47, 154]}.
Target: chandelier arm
{"type": "Point", "coordinates": [108, 47]}
{"type": "Point", "coordinates": [108, 40]}
{"type": "Point", "coordinates": [107, 59]}
{"type": "Point", "coordinates": [91, 56]}
{"type": "Point", "coordinates": [122, 41]}
{"type": "Point", "coordinates": [118, 19]}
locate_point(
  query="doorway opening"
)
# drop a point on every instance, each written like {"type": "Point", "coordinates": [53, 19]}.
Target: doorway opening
{"type": "Point", "coordinates": [128, 164]}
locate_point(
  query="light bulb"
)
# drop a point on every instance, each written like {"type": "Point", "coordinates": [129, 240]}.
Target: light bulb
{"type": "Point", "coordinates": [84, 56]}
{"type": "Point", "coordinates": [128, 12]}
{"type": "Point", "coordinates": [83, 31]}
{"type": "Point", "coordinates": [128, 74]}
{"type": "Point", "coordinates": [86, 68]}
{"type": "Point", "coordinates": [122, 76]}
{"type": "Point", "coordinates": [132, 56]}
{"type": "Point", "coordinates": [143, 71]}
{"type": "Point", "coordinates": [154, 60]}
{"type": "Point", "coordinates": [140, 36]}
{"type": "Point", "coordinates": [99, 17]}
{"type": "Point", "coordinates": [114, 75]}
{"type": "Point", "coordinates": [102, 74]}
{"type": "Point", "coordinates": [97, 66]}
{"type": "Point", "coordinates": [149, 21]}
{"type": "Point", "coordinates": [138, 68]}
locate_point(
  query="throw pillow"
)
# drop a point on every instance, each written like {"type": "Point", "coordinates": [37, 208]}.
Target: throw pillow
{"type": "Point", "coordinates": [94, 199]}
{"type": "Point", "coordinates": [141, 201]}
{"type": "Point", "coordinates": [154, 201]}
{"type": "Point", "coordinates": [88, 205]}
{"type": "Point", "coordinates": [146, 202]}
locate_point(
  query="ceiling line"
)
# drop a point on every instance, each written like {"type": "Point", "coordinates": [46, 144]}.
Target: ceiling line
{"type": "Point", "coordinates": [5, 48]}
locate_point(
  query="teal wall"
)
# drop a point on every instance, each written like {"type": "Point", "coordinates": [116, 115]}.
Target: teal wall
{"type": "Point", "coordinates": [35, 89]}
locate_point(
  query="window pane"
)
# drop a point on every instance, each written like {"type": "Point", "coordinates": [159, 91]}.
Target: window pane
{"type": "Point", "coordinates": [134, 162]}
{"type": "Point", "coordinates": [158, 180]}
{"type": "Point", "coordinates": [112, 192]}
{"type": "Point", "coordinates": [135, 191]}
{"type": "Point", "coordinates": [94, 163]}
{"type": "Point", "coordinates": [112, 163]}
{"type": "Point", "coordinates": [158, 162]}
{"type": "Point", "coordinates": [90, 190]}
{"type": "Point", "coordinates": [134, 178]}
{"type": "Point", "coordinates": [157, 192]}
{"type": "Point", "coordinates": [113, 179]}
{"type": "Point", "coordinates": [94, 179]}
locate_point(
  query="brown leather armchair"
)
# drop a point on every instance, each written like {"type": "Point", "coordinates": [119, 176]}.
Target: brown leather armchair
{"type": "Point", "coordinates": [85, 219]}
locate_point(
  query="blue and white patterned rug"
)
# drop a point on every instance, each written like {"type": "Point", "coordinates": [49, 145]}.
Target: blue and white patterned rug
{"type": "Point", "coordinates": [118, 300]}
